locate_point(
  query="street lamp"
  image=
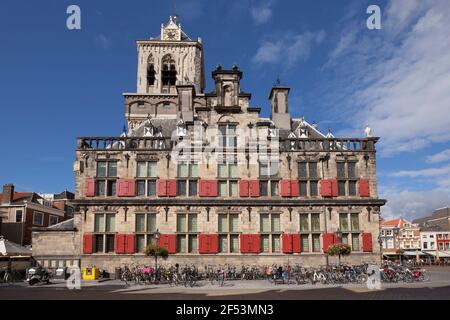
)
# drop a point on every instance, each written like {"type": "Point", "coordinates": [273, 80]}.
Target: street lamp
{"type": "Point", "coordinates": [339, 235]}
{"type": "Point", "coordinates": [157, 235]}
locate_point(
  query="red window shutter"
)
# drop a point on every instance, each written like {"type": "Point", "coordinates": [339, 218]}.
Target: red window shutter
{"type": "Point", "coordinates": [89, 187]}
{"type": "Point", "coordinates": [168, 241]}
{"type": "Point", "coordinates": [129, 246]}
{"type": "Point", "coordinates": [161, 188]}
{"type": "Point", "coordinates": [126, 188]}
{"type": "Point", "coordinates": [287, 243]}
{"type": "Point", "coordinates": [364, 188]}
{"type": "Point", "coordinates": [334, 188]}
{"type": "Point", "coordinates": [243, 188]}
{"type": "Point", "coordinates": [172, 243]}
{"type": "Point", "coordinates": [328, 240]}
{"type": "Point", "coordinates": [163, 241]}
{"type": "Point", "coordinates": [120, 243]}
{"type": "Point", "coordinates": [285, 188]}
{"type": "Point", "coordinates": [325, 188]}
{"type": "Point", "coordinates": [203, 188]}
{"type": "Point", "coordinates": [122, 188]}
{"type": "Point", "coordinates": [87, 243]}
{"type": "Point", "coordinates": [213, 243]}
{"type": "Point", "coordinates": [294, 188]}
{"type": "Point", "coordinates": [367, 242]}
{"type": "Point", "coordinates": [213, 188]}
{"type": "Point", "coordinates": [243, 243]}
{"type": "Point", "coordinates": [171, 188]}
{"type": "Point", "coordinates": [296, 243]}
{"type": "Point", "coordinates": [202, 240]}
{"type": "Point", "coordinates": [131, 187]}
{"type": "Point", "coordinates": [256, 244]}
{"type": "Point", "coordinates": [254, 188]}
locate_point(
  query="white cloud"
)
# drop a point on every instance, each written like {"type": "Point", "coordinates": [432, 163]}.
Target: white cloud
{"type": "Point", "coordinates": [412, 205]}
{"type": "Point", "coordinates": [439, 157]}
{"type": "Point", "coordinates": [397, 79]}
{"type": "Point", "coordinates": [424, 173]}
{"type": "Point", "coordinates": [102, 41]}
{"type": "Point", "coordinates": [289, 49]}
{"type": "Point", "coordinates": [261, 12]}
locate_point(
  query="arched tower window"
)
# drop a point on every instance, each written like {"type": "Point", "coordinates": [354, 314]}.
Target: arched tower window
{"type": "Point", "coordinates": [169, 72]}
{"type": "Point", "coordinates": [150, 71]}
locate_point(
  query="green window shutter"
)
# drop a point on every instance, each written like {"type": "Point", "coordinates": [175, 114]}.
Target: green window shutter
{"type": "Point", "coordinates": [151, 222]}
{"type": "Point", "coordinates": [275, 222]}
{"type": "Point", "coordinates": [234, 223]}
{"type": "Point", "coordinates": [305, 242]}
{"type": "Point", "coordinates": [152, 170]}
{"type": "Point", "coordinates": [264, 223]}
{"type": "Point", "coordinates": [140, 223]}
{"type": "Point", "coordinates": [141, 170]}
{"type": "Point", "coordinates": [223, 223]}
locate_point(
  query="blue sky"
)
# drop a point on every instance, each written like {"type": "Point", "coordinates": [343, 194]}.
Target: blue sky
{"type": "Point", "coordinates": [58, 84]}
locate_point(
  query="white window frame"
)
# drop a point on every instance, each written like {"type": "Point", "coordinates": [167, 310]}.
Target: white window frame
{"type": "Point", "coordinates": [42, 218]}
{"type": "Point", "coordinates": [50, 218]}
{"type": "Point", "coordinates": [15, 218]}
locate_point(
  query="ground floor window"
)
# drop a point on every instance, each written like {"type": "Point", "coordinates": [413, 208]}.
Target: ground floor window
{"type": "Point", "coordinates": [187, 243]}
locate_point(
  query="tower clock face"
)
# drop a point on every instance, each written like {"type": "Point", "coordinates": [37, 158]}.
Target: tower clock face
{"type": "Point", "coordinates": [171, 35]}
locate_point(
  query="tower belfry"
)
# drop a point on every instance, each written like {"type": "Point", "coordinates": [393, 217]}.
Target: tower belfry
{"type": "Point", "coordinates": [168, 60]}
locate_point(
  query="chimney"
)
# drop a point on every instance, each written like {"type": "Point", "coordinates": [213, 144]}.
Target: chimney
{"type": "Point", "coordinates": [8, 193]}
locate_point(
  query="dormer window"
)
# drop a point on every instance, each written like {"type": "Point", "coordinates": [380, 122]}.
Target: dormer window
{"type": "Point", "coordinates": [302, 133]}
{"type": "Point", "coordinates": [272, 133]}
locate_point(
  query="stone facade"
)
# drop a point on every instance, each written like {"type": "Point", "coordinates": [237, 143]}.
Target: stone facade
{"type": "Point", "coordinates": [226, 191]}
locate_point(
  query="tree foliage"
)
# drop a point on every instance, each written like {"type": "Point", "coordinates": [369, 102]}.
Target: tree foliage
{"type": "Point", "coordinates": [339, 249]}
{"type": "Point", "coordinates": [156, 251]}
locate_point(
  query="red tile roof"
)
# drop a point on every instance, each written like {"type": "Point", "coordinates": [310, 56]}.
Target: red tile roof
{"type": "Point", "coordinates": [392, 223]}
{"type": "Point", "coordinates": [18, 195]}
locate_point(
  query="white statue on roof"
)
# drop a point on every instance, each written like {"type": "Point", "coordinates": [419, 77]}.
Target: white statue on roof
{"type": "Point", "coordinates": [368, 131]}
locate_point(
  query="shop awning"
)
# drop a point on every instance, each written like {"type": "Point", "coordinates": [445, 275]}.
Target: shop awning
{"type": "Point", "coordinates": [413, 253]}
{"type": "Point", "coordinates": [441, 254]}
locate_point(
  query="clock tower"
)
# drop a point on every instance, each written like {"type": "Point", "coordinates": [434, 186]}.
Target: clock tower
{"type": "Point", "coordinates": [170, 60]}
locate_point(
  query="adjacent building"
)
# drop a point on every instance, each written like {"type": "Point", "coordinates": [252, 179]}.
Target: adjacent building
{"type": "Point", "coordinates": [400, 236]}
{"type": "Point", "coordinates": [21, 211]}
{"type": "Point", "coordinates": [204, 175]}
{"type": "Point", "coordinates": [435, 233]}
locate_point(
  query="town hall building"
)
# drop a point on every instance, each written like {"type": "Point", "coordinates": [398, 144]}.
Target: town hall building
{"type": "Point", "coordinates": [201, 173]}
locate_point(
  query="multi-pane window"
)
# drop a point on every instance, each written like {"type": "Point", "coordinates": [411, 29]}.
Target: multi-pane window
{"type": "Point", "coordinates": [145, 228]}
{"type": "Point", "coordinates": [187, 233]}
{"type": "Point", "coordinates": [347, 178]}
{"type": "Point", "coordinates": [268, 169]}
{"type": "Point", "coordinates": [146, 178]}
{"type": "Point", "coordinates": [228, 227]}
{"type": "Point", "coordinates": [270, 232]}
{"type": "Point", "coordinates": [104, 232]}
{"type": "Point", "coordinates": [310, 231]}
{"type": "Point", "coordinates": [19, 215]}
{"type": "Point", "coordinates": [349, 226]}
{"type": "Point", "coordinates": [38, 218]}
{"type": "Point", "coordinates": [227, 136]}
{"type": "Point", "coordinates": [268, 186]}
{"type": "Point", "coordinates": [228, 185]}
{"type": "Point", "coordinates": [308, 179]}
{"type": "Point", "coordinates": [52, 220]}
{"type": "Point", "coordinates": [187, 178]}
{"type": "Point", "coordinates": [106, 178]}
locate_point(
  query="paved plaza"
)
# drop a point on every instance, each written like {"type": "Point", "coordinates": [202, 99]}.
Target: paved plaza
{"type": "Point", "coordinates": [437, 288]}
